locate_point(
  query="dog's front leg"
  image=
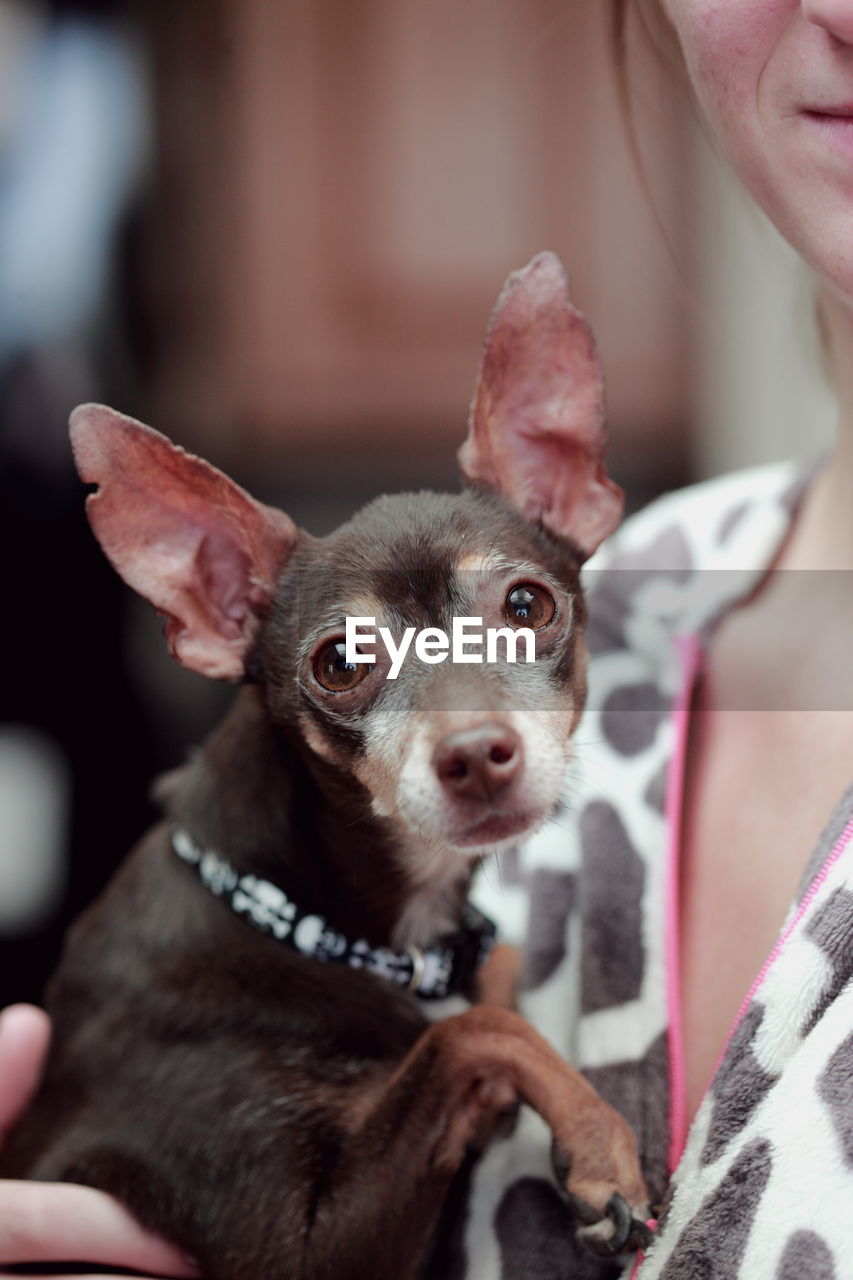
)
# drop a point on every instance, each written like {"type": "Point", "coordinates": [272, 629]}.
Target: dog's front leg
{"type": "Point", "coordinates": [383, 1200]}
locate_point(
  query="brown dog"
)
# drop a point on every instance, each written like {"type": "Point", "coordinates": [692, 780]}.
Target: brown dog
{"type": "Point", "coordinates": [241, 1051]}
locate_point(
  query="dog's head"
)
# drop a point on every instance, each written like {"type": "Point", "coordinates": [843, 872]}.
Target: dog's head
{"type": "Point", "coordinates": [464, 749]}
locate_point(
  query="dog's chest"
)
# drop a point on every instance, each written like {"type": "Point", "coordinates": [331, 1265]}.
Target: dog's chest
{"type": "Point", "coordinates": [438, 878]}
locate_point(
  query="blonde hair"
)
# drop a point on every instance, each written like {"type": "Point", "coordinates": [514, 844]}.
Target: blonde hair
{"type": "Point", "coordinates": [635, 23]}
{"type": "Point", "coordinates": [645, 22]}
{"type": "Point", "coordinates": [641, 27]}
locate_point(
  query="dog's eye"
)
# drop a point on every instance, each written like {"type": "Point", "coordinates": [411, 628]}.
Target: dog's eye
{"type": "Point", "coordinates": [529, 606]}
{"type": "Point", "coordinates": [333, 672]}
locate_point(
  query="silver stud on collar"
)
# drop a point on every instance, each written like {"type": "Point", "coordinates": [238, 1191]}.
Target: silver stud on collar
{"type": "Point", "coordinates": [418, 966]}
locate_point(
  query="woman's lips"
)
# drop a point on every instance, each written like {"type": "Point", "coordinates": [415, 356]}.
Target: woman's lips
{"type": "Point", "coordinates": [833, 109]}
{"type": "Point", "coordinates": [835, 125]}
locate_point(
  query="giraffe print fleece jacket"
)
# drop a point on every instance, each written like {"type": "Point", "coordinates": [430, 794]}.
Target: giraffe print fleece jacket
{"type": "Point", "coordinates": [761, 1187]}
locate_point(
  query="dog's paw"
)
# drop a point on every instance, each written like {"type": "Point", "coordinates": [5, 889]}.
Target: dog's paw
{"type": "Point", "coordinates": [608, 1223]}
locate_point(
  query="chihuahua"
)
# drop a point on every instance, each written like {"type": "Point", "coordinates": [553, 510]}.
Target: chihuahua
{"type": "Point", "coordinates": [248, 1048]}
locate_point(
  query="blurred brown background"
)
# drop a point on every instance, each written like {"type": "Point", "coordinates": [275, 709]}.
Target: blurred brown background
{"type": "Point", "coordinates": [334, 222]}
{"type": "Point", "coordinates": [274, 229]}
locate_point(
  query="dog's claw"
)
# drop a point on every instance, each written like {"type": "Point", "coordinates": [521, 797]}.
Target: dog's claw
{"type": "Point", "coordinates": [641, 1236]}
{"type": "Point", "coordinates": [628, 1232]}
{"type": "Point", "coordinates": [619, 1212]}
{"type": "Point", "coordinates": [617, 1231]}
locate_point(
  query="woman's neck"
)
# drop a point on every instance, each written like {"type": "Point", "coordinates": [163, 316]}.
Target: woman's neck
{"type": "Point", "coordinates": [822, 536]}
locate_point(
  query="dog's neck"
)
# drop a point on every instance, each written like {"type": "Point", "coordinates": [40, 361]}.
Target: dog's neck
{"type": "Point", "coordinates": [277, 812]}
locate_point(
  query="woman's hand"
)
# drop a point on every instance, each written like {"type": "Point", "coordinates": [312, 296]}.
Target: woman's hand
{"type": "Point", "coordinates": [60, 1222]}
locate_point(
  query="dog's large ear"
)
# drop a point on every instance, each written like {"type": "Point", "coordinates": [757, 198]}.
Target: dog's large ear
{"type": "Point", "coordinates": [536, 428]}
{"type": "Point", "coordinates": [183, 535]}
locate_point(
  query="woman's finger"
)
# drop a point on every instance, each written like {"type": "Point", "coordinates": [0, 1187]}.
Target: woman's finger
{"type": "Point", "coordinates": [61, 1222]}
{"type": "Point", "coordinates": [24, 1038]}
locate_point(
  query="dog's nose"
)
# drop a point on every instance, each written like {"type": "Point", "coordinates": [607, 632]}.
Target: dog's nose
{"type": "Point", "coordinates": [480, 762]}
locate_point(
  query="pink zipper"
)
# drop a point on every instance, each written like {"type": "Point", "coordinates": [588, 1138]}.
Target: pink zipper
{"type": "Point", "coordinates": [690, 650]}
{"type": "Point", "coordinates": [808, 898]}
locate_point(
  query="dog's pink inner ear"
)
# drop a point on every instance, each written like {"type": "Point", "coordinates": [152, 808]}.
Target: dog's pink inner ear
{"type": "Point", "coordinates": [183, 535]}
{"type": "Point", "coordinates": [536, 428]}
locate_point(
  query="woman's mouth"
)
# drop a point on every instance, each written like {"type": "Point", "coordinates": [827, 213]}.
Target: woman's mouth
{"type": "Point", "coordinates": [835, 125]}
